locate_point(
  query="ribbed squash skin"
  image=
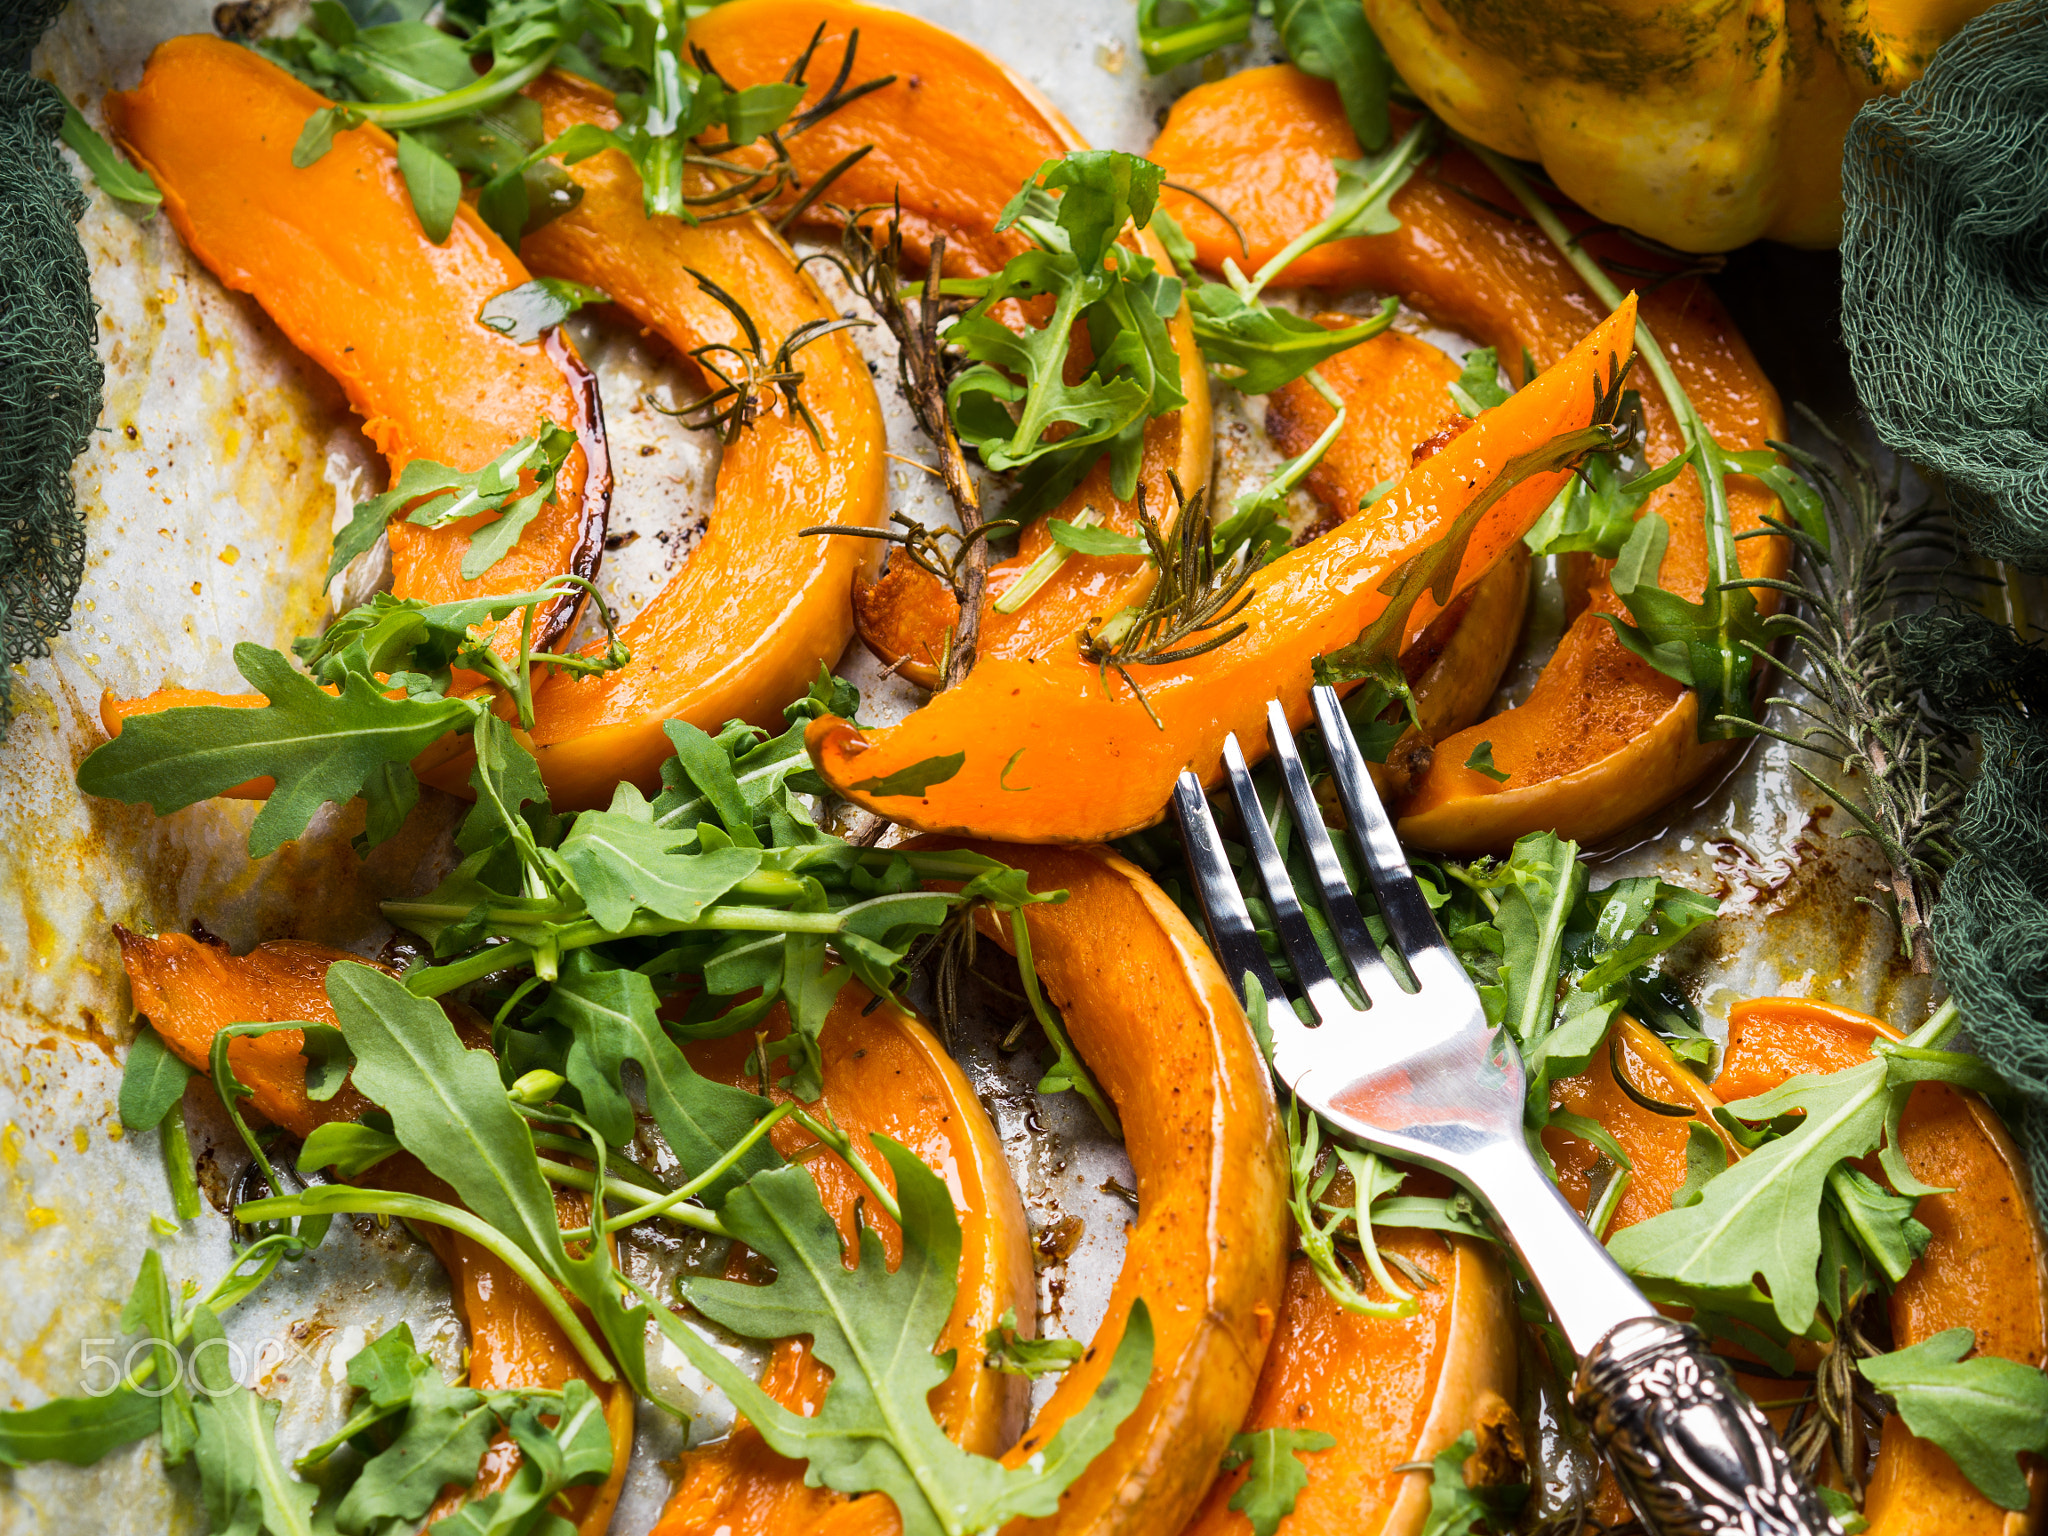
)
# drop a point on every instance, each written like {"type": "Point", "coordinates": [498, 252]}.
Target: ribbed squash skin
{"type": "Point", "coordinates": [1702, 127]}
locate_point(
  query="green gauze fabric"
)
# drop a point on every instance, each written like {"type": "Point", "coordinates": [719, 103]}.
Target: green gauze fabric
{"type": "Point", "coordinates": [50, 377]}
{"type": "Point", "coordinates": [1945, 274]}
{"type": "Point", "coordinates": [1990, 927]}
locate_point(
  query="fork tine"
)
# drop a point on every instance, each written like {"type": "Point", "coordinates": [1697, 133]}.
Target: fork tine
{"type": "Point", "coordinates": [1402, 903]}
{"type": "Point", "coordinates": [1354, 939]}
{"type": "Point", "coordinates": [1296, 937]}
{"type": "Point", "coordinates": [1230, 922]}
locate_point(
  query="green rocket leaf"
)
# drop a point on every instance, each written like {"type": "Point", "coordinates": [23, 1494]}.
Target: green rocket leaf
{"type": "Point", "coordinates": [1984, 1412]}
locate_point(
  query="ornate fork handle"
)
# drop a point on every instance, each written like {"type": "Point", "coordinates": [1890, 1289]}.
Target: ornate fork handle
{"type": "Point", "coordinates": [1694, 1456]}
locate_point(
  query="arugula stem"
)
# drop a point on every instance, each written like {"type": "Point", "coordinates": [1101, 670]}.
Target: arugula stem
{"type": "Point", "coordinates": [326, 1199]}
{"type": "Point", "coordinates": [231, 1288]}
{"type": "Point", "coordinates": [1342, 213]}
{"type": "Point", "coordinates": [487, 91]}
{"type": "Point", "coordinates": [1044, 565]}
{"type": "Point", "coordinates": [178, 1170]}
{"type": "Point", "coordinates": [1069, 1058]}
{"type": "Point", "coordinates": [1723, 562]}
{"type": "Point", "coordinates": [585, 1179]}
{"type": "Point", "coordinates": [670, 1199]}
{"type": "Point", "coordinates": [841, 1142]}
{"type": "Point", "coordinates": [438, 980]}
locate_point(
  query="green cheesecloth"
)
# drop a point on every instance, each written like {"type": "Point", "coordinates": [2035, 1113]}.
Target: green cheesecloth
{"type": "Point", "coordinates": [1945, 312]}
{"type": "Point", "coordinates": [50, 377]}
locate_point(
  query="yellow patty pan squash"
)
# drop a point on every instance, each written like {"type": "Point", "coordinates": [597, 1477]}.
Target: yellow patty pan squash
{"type": "Point", "coordinates": [1701, 123]}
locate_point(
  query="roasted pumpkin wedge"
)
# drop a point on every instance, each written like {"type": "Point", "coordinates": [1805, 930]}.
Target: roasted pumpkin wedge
{"type": "Point", "coordinates": [191, 990]}
{"type": "Point", "coordinates": [741, 629]}
{"type": "Point", "coordinates": [954, 137]}
{"type": "Point", "coordinates": [1391, 1391]}
{"type": "Point", "coordinates": [1156, 1020]}
{"type": "Point", "coordinates": [336, 256]}
{"type": "Point", "coordinates": [884, 1073]}
{"type": "Point", "coordinates": [1986, 1267]}
{"type": "Point", "coordinates": [1604, 739]}
{"type": "Point", "coordinates": [1055, 748]}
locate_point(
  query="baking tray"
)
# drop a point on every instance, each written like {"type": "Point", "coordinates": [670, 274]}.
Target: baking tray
{"type": "Point", "coordinates": [222, 462]}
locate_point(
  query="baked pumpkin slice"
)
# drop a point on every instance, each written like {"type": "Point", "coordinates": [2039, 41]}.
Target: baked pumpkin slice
{"type": "Point", "coordinates": [1604, 739]}
{"type": "Point", "coordinates": [953, 138]}
{"type": "Point", "coordinates": [884, 1073]}
{"type": "Point", "coordinates": [190, 990]}
{"type": "Point", "coordinates": [1058, 748]}
{"type": "Point", "coordinates": [335, 254]}
{"type": "Point", "coordinates": [743, 626]}
{"type": "Point", "coordinates": [1985, 1266]}
{"type": "Point", "coordinates": [1389, 1391]}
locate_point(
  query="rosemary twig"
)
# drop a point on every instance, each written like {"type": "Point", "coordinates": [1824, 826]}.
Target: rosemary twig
{"type": "Point", "coordinates": [746, 373]}
{"type": "Point", "coordinates": [873, 266]}
{"type": "Point", "coordinates": [1866, 714]}
{"type": "Point", "coordinates": [1192, 594]}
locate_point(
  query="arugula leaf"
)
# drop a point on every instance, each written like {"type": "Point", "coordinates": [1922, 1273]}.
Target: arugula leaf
{"type": "Point", "coordinates": [347, 1146]}
{"type": "Point", "coordinates": [577, 1448]}
{"type": "Point", "coordinates": [624, 862]}
{"type": "Point", "coordinates": [446, 495]}
{"type": "Point", "coordinates": [915, 779]}
{"type": "Point", "coordinates": [1984, 1412]}
{"type": "Point", "coordinates": [1880, 1222]}
{"type": "Point", "coordinates": [1331, 39]}
{"type": "Point", "coordinates": [1477, 387]}
{"type": "Point", "coordinates": [449, 1109]}
{"type": "Point", "coordinates": [149, 1311]}
{"type": "Point", "coordinates": [611, 1014]}
{"type": "Point", "coordinates": [1265, 347]}
{"type": "Point", "coordinates": [319, 747]}
{"type": "Point", "coordinates": [874, 1330]}
{"type": "Point", "coordinates": [539, 304]}
{"type": "Point", "coordinates": [1596, 511]}
{"type": "Point", "coordinates": [152, 1082]}
{"type": "Point", "coordinates": [1005, 1351]}
{"type": "Point", "coordinates": [1759, 1218]}
{"type": "Point", "coordinates": [1455, 1507]}
{"type": "Point", "coordinates": [1706, 1158]}
{"type": "Point", "coordinates": [1086, 539]}
{"type": "Point", "coordinates": [77, 1430]}
{"type": "Point", "coordinates": [1480, 760]}
{"type": "Point", "coordinates": [1175, 32]}
{"type": "Point", "coordinates": [1101, 190]}
{"type": "Point", "coordinates": [447, 1431]}
{"type": "Point", "coordinates": [242, 1482]}
{"type": "Point", "coordinates": [1363, 204]}
{"type": "Point", "coordinates": [1277, 1476]}
{"type": "Point", "coordinates": [434, 185]}
{"type": "Point", "coordinates": [114, 176]}
{"type": "Point", "coordinates": [1073, 209]}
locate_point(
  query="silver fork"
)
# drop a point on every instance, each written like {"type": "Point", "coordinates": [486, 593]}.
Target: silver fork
{"type": "Point", "coordinates": [1420, 1075]}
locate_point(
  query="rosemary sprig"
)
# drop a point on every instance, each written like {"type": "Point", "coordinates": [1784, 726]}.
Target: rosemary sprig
{"type": "Point", "coordinates": [1193, 594]}
{"type": "Point", "coordinates": [873, 266]}
{"type": "Point", "coordinates": [747, 373]}
{"type": "Point", "coordinates": [1866, 714]}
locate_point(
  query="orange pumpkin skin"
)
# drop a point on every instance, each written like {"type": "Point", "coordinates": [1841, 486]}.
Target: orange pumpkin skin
{"type": "Point", "coordinates": [884, 1074]}
{"type": "Point", "coordinates": [1604, 739]}
{"type": "Point", "coordinates": [1052, 750]}
{"type": "Point", "coordinates": [335, 255]}
{"type": "Point", "coordinates": [955, 156]}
